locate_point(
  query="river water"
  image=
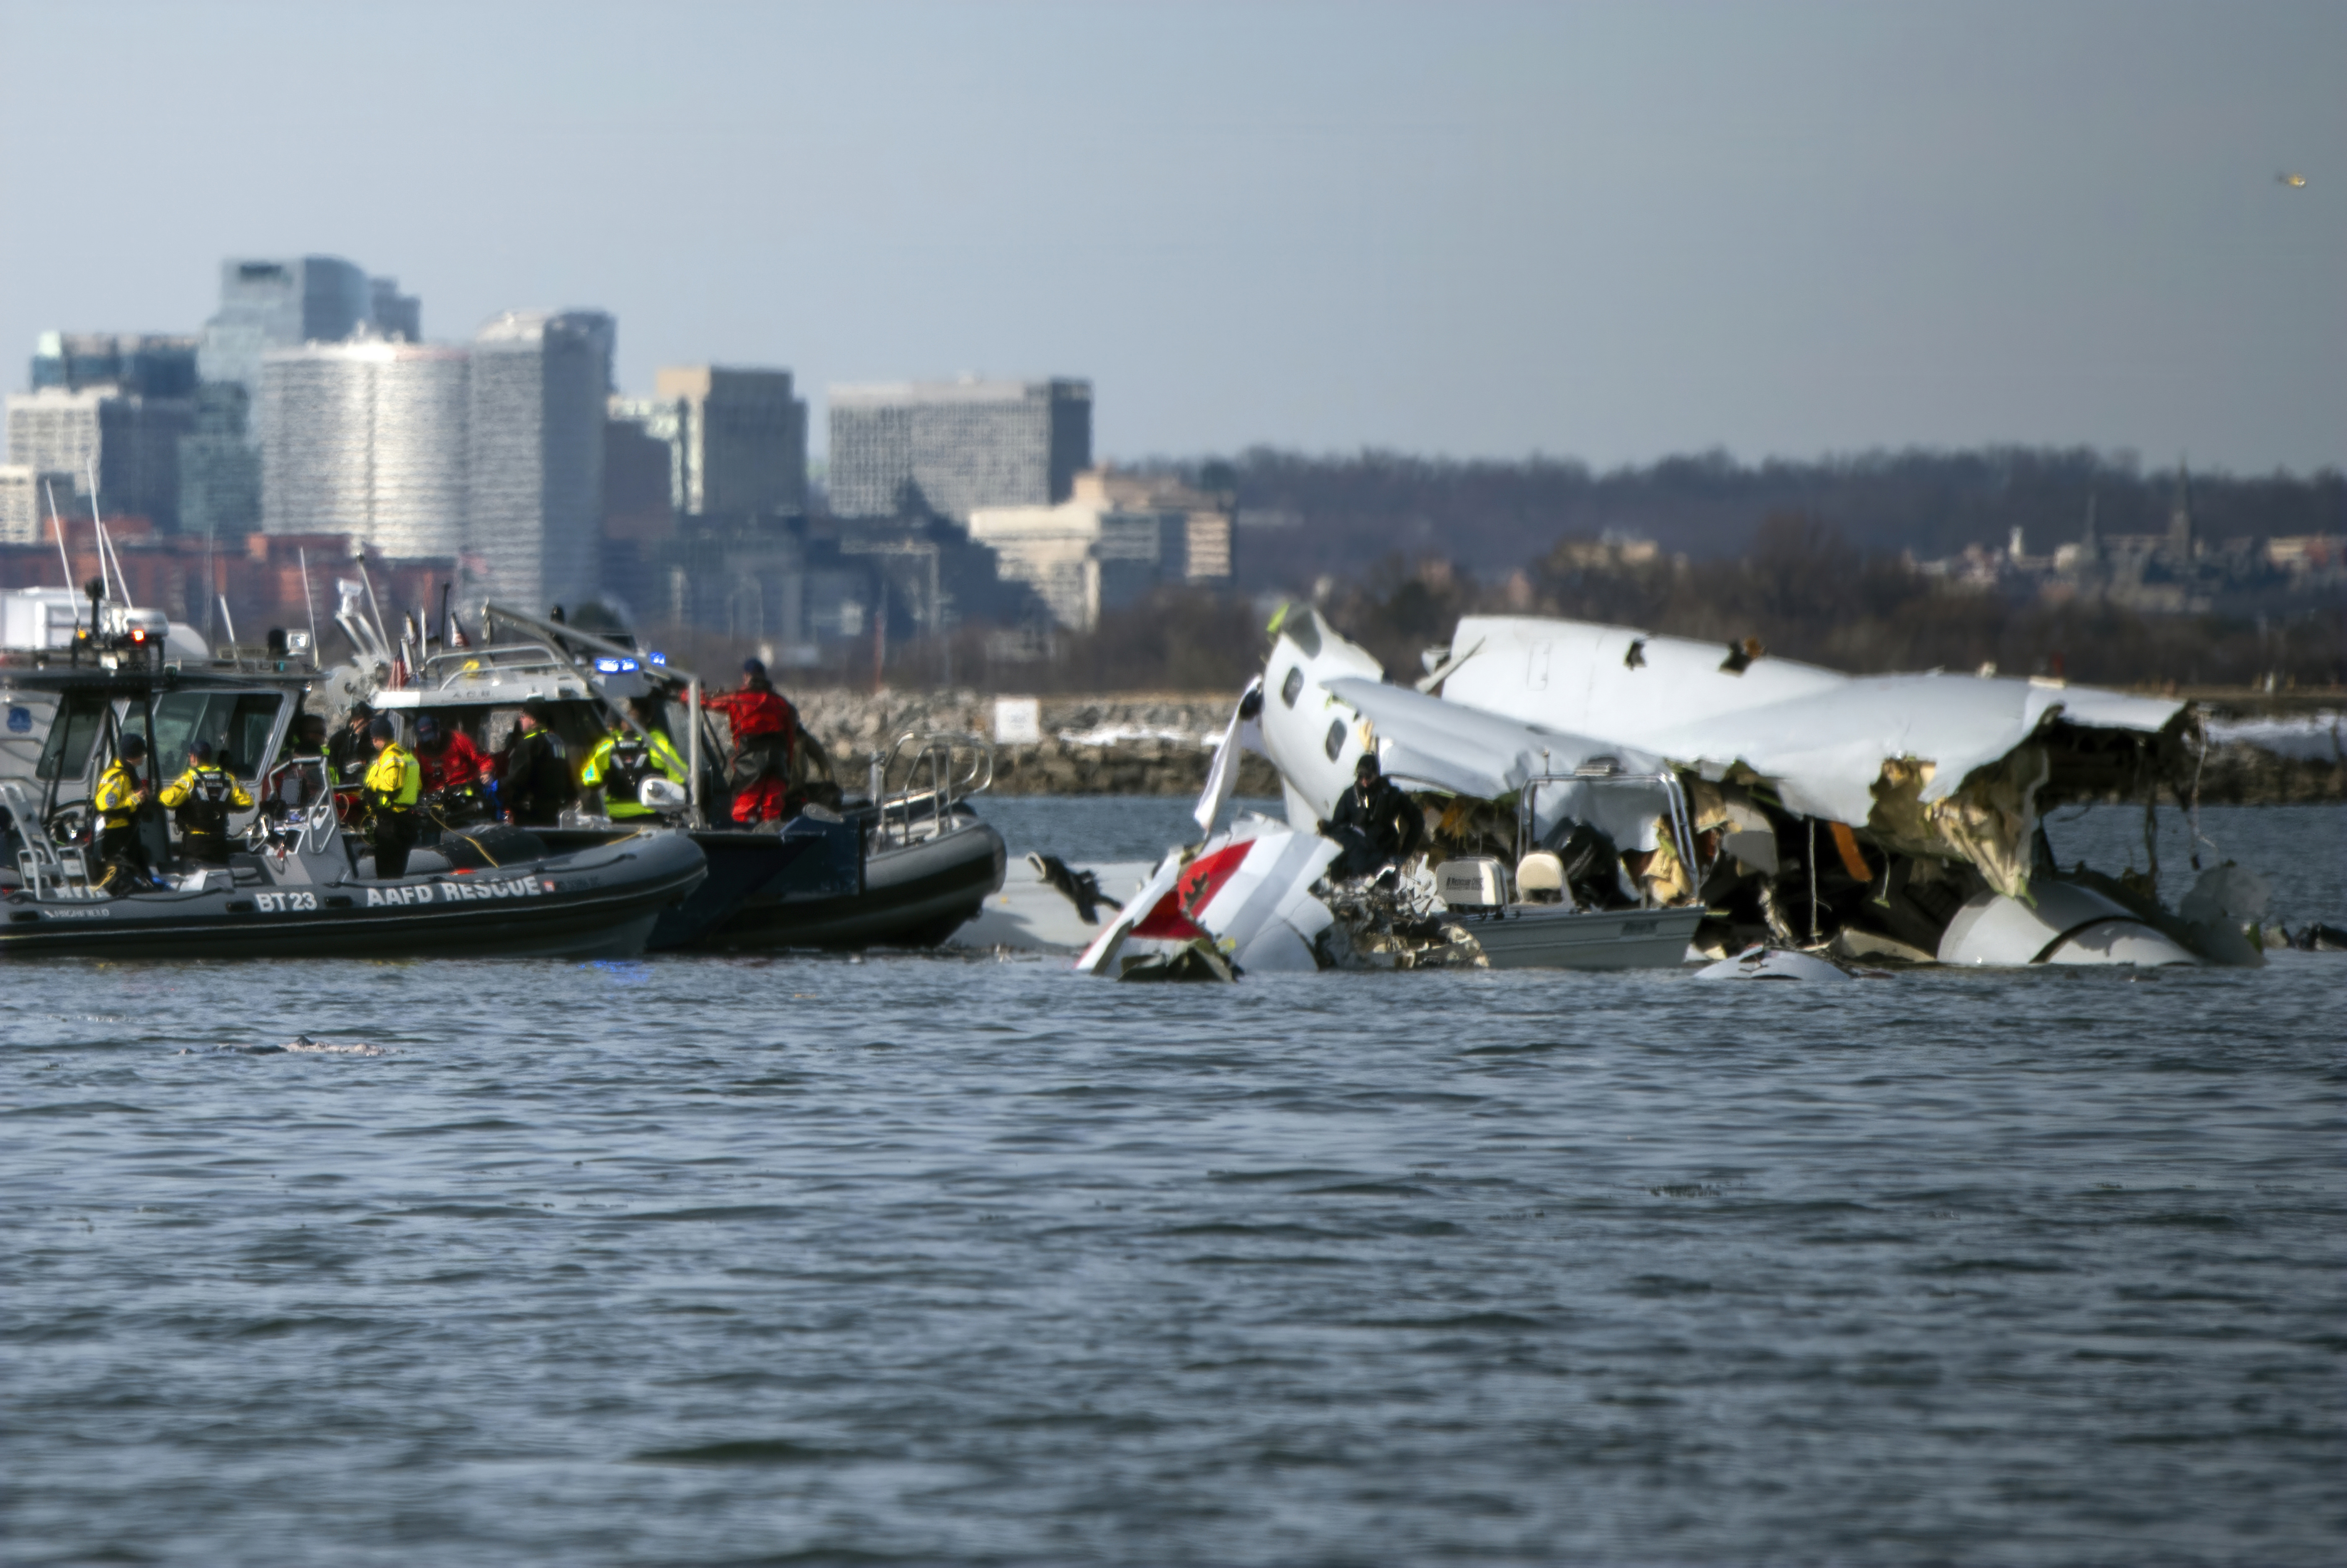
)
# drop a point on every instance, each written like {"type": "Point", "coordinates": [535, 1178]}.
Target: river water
{"type": "Point", "coordinates": [939, 1259]}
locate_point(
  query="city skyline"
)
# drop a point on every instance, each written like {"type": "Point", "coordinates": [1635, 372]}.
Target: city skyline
{"type": "Point", "coordinates": [1607, 234]}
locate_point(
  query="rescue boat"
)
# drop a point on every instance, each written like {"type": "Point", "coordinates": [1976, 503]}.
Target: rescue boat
{"type": "Point", "coordinates": [297, 885]}
{"type": "Point", "coordinates": [902, 864]}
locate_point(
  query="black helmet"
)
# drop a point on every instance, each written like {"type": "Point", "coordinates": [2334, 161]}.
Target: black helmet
{"type": "Point", "coordinates": [200, 750]}
{"type": "Point", "coordinates": [427, 729]}
{"type": "Point", "coordinates": [360, 708]}
{"type": "Point", "coordinates": [539, 709]}
{"type": "Point", "coordinates": [1368, 764]}
{"type": "Point", "coordinates": [383, 729]}
{"type": "Point", "coordinates": [755, 669]}
{"type": "Point", "coordinates": [134, 745]}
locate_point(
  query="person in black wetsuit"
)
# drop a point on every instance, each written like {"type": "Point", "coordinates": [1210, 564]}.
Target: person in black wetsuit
{"type": "Point", "coordinates": [534, 782]}
{"type": "Point", "coordinates": [352, 751]}
{"type": "Point", "coordinates": [1375, 822]}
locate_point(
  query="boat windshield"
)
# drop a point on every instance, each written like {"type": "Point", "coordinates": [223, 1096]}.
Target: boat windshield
{"type": "Point", "coordinates": [237, 724]}
{"type": "Point", "coordinates": [81, 717]}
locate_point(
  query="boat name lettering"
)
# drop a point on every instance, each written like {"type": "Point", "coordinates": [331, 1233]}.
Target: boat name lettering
{"type": "Point", "coordinates": [79, 914]}
{"type": "Point", "coordinates": [284, 903]}
{"type": "Point", "coordinates": [458, 892]}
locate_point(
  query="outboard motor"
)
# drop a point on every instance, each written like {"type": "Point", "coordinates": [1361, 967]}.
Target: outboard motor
{"type": "Point", "coordinates": [1474, 884]}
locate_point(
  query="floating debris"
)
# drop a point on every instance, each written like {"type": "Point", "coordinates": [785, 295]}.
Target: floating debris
{"type": "Point", "coordinates": [300, 1045]}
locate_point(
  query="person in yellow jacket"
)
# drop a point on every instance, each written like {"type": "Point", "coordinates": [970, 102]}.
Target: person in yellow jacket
{"type": "Point", "coordinates": [623, 760]}
{"type": "Point", "coordinates": [120, 794]}
{"type": "Point", "coordinates": [202, 799]}
{"type": "Point", "coordinates": [393, 782]}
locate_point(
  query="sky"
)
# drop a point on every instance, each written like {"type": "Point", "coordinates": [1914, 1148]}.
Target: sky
{"type": "Point", "coordinates": [1605, 233]}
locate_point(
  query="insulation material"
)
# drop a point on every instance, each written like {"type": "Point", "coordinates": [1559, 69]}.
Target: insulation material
{"type": "Point", "coordinates": [1990, 822]}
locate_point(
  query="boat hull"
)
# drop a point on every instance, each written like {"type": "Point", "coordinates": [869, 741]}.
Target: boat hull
{"type": "Point", "coordinates": [592, 905]}
{"type": "Point", "coordinates": [913, 895]}
{"type": "Point", "coordinates": [1537, 936]}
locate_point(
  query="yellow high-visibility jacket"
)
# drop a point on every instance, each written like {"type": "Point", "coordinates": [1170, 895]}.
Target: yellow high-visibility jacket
{"type": "Point", "coordinates": [394, 779]}
{"type": "Point", "coordinates": [598, 773]}
{"type": "Point", "coordinates": [180, 790]}
{"type": "Point", "coordinates": [117, 799]}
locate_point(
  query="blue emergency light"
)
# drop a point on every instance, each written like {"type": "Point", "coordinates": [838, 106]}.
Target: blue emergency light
{"type": "Point", "coordinates": [659, 660]}
{"type": "Point", "coordinates": [615, 666]}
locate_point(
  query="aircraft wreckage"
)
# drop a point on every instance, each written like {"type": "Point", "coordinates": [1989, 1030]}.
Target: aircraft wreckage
{"type": "Point", "coordinates": [1601, 797]}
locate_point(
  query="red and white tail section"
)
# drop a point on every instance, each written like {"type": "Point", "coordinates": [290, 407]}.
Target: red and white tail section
{"type": "Point", "coordinates": [1248, 892]}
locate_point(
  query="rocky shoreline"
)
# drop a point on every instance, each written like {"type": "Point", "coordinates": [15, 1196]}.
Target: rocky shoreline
{"type": "Point", "coordinates": [1161, 743]}
{"type": "Point", "coordinates": [1147, 743]}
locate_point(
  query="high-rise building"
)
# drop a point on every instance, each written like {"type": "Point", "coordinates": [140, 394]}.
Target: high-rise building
{"type": "Point", "coordinates": [219, 468]}
{"type": "Point", "coordinates": [26, 497]}
{"type": "Point", "coordinates": [540, 387]}
{"type": "Point", "coordinates": [283, 303]}
{"type": "Point", "coordinates": [151, 364]}
{"type": "Point", "coordinates": [130, 444]}
{"type": "Point", "coordinates": [396, 315]}
{"type": "Point", "coordinates": [368, 438]}
{"type": "Point", "coordinates": [1117, 537]}
{"type": "Point", "coordinates": [955, 447]}
{"type": "Point", "coordinates": [740, 440]}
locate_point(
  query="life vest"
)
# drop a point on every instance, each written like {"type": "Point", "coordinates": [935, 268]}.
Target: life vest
{"type": "Point", "coordinates": [201, 798]}
{"type": "Point", "coordinates": [394, 780]}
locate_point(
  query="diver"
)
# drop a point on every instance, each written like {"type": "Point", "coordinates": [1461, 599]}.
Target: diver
{"type": "Point", "coordinates": [393, 783]}
{"type": "Point", "coordinates": [1375, 821]}
{"type": "Point", "coordinates": [453, 770]}
{"type": "Point", "coordinates": [120, 795]}
{"type": "Point", "coordinates": [352, 751]}
{"type": "Point", "coordinates": [763, 724]}
{"type": "Point", "coordinates": [534, 775]}
{"type": "Point", "coordinates": [200, 799]}
{"type": "Point", "coordinates": [624, 759]}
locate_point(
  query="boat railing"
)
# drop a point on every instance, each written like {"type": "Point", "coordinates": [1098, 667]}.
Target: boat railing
{"type": "Point", "coordinates": [1604, 771]}
{"type": "Point", "coordinates": [50, 870]}
{"type": "Point", "coordinates": [940, 767]}
{"type": "Point", "coordinates": [306, 827]}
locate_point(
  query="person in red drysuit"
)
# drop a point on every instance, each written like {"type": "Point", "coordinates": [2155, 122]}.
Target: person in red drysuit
{"type": "Point", "coordinates": [763, 726]}
{"type": "Point", "coordinates": [448, 756]}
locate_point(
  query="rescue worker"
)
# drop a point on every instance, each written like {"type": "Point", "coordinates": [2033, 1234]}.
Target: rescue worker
{"type": "Point", "coordinates": [454, 772]}
{"type": "Point", "coordinates": [201, 799]}
{"type": "Point", "coordinates": [624, 759]}
{"type": "Point", "coordinates": [120, 794]}
{"type": "Point", "coordinates": [534, 775]}
{"type": "Point", "coordinates": [763, 726]}
{"type": "Point", "coordinates": [449, 759]}
{"type": "Point", "coordinates": [1375, 821]}
{"type": "Point", "coordinates": [393, 783]}
{"type": "Point", "coordinates": [352, 751]}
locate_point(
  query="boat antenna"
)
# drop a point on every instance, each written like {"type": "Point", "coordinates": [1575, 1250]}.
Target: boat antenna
{"type": "Point", "coordinates": [57, 526]}
{"type": "Point", "coordinates": [105, 544]}
{"type": "Point", "coordinates": [230, 621]}
{"type": "Point", "coordinates": [358, 559]}
{"type": "Point", "coordinates": [308, 603]}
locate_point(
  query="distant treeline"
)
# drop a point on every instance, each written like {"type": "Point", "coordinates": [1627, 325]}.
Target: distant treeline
{"type": "Point", "coordinates": [1803, 587]}
{"type": "Point", "coordinates": [1306, 518]}
{"type": "Point", "coordinates": [1809, 592]}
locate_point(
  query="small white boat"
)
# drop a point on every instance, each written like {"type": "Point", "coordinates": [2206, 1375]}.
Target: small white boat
{"type": "Point", "coordinates": [1552, 936]}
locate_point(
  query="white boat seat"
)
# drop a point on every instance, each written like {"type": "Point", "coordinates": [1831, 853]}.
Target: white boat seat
{"type": "Point", "coordinates": [1539, 878]}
